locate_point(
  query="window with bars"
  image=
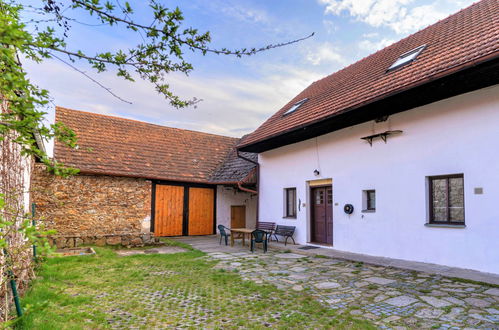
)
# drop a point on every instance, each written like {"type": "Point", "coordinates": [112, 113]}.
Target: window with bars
{"type": "Point", "coordinates": [290, 202]}
{"type": "Point", "coordinates": [446, 197]}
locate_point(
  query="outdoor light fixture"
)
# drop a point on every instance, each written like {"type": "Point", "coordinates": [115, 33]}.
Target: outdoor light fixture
{"type": "Point", "coordinates": [316, 172]}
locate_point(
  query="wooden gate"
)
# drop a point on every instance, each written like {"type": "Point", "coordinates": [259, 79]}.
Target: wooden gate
{"type": "Point", "coordinates": [183, 210]}
{"type": "Point", "coordinates": [201, 211]}
{"type": "Point", "coordinates": [169, 210]}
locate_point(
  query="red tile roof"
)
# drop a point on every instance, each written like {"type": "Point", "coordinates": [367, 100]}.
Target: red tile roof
{"type": "Point", "coordinates": [463, 39]}
{"type": "Point", "coordinates": [236, 169]}
{"type": "Point", "coordinates": [122, 147]}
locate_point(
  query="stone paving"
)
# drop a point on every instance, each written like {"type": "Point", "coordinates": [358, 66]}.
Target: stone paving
{"type": "Point", "coordinates": [389, 297]}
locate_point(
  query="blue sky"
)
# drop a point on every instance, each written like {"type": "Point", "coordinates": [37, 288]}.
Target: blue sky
{"type": "Point", "coordinates": [240, 93]}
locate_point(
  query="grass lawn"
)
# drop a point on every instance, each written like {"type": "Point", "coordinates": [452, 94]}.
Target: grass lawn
{"type": "Point", "coordinates": [158, 291]}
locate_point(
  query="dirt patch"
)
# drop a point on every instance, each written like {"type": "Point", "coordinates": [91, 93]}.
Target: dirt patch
{"type": "Point", "coordinates": [74, 252]}
{"type": "Point", "coordinates": [157, 250]}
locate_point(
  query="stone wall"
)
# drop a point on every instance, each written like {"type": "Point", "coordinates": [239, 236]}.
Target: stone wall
{"type": "Point", "coordinates": [93, 209]}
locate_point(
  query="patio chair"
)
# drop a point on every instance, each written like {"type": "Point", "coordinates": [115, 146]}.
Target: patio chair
{"type": "Point", "coordinates": [285, 231]}
{"type": "Point", "coordinates": [223, 234]}
{"type": "Point", "coordinates": [259, 236]}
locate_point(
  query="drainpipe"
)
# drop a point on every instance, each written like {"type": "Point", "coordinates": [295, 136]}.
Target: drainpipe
{"type": "Point", "coordinates": [239, 185]}
{"type": "Point", "coordinates": [257, 184]}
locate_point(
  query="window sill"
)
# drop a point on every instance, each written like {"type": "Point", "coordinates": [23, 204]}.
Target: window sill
{"type": "Point", "coordinates": [368, 211]}
{"type": "Point", "coordinates": [441, 225]}
{"type": "Point", "coordinates": [289, 218]}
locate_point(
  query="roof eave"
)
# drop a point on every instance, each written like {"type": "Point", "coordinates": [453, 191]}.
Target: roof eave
{"type": "Point", "coordinates": [461, 79]}
{"type": "Point", "coordinates": [156, 178]}
{"type": "Point", "coordinates": [145, 177]}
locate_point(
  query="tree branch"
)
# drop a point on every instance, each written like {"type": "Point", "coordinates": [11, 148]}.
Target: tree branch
{"type": "Point", "coordinates": [184, 42]}
{"type": "Point", "coordinates": [107, 89]}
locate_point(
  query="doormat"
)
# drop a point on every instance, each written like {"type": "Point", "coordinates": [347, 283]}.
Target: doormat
{"type": "Point", "coordinates": [308, 247]}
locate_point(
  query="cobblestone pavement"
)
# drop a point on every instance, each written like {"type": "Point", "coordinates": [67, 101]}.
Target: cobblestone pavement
{"type": "Point", "coordinates": [389, 297]}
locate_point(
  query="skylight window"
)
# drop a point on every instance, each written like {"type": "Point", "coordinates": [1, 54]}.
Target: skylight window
{"type": "Point", "coordinates": [295, 106]}
{"type": "Point", "coordinates": [406, 58]}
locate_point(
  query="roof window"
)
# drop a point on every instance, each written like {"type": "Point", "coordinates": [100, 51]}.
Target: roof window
{"type": "Point", "coordinates": [406, 58]}
{"type": "Point", "coordinates": [295, 106]}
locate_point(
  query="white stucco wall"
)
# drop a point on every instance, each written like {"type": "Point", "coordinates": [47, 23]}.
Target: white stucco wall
{"type": "Point", "coordinates": [457, 135]}
{"type": "Point", "coordinates": [227, 196]}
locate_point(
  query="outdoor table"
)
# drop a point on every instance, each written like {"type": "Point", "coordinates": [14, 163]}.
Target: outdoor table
{"type": "Point", "coordinates": [242, 233]}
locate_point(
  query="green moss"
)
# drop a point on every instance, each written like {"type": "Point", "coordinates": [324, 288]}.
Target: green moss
{"type": "Point", "coordinates": [320, 256]}
{"type": "Point", "coordinates": [163, 291]}
{"type": "Point", "coordinates": [447, 309]}
{"type": "Point", "coordinates": [464, 280]}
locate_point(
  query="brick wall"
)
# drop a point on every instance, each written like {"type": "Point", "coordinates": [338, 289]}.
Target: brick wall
{"type": "Point", "coordinates": [93, 209]}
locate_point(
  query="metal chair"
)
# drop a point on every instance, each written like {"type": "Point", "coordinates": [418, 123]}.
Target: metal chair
{"type": "Point", "coordinates": [259, 236]}
{"type": "Point", "coordinates": [223, 233]}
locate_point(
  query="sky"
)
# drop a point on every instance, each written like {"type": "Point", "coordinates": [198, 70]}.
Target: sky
{"type": "Point", "coordinates": [238, 94]}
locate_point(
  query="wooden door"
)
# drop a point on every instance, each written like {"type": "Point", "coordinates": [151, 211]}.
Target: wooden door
{"type": "Point", "coordinates": [329, 215]}
{"type": "Point", "coordinates": [201, 211]}
{"type": "Point", "coordinates": [322, 215]}
{"type": "Point", "coordinates": [238, 216]}
{"type": "Point", "coordinates": [168, 210]}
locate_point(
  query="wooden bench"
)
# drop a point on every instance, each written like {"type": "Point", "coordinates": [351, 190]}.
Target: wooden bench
{"type": "Point", "coordinates": [285, 231]}
{"type": "Point", "coordinates": [269, 227]}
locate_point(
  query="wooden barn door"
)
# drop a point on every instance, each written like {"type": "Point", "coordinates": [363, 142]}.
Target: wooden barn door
{"type": "Point", "coordinates": [201, 211]}
{"type": "Point", "coordinates": [169, 210]}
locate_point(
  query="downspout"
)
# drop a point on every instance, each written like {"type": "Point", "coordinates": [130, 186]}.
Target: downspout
{"type": "Point", "coordinates": [257, 184]}
{"type": "Point", "coordinates": [239, 185]}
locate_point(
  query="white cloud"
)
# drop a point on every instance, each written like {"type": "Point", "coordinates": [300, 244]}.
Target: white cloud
{"type": "Point", "coordinates": [325, 53]}
{"type": "Point", "coordinates": [231, 105]}
{"type": "Point", "coordinates": [402, 16]}
{"type": "Point", "coordinates": [418, 18]}
{"type": "Point", "coordinates": [245, 13]}
{"type": "Point", "coordinates": [329, 26]}
{"type": "Point", "coordinates": [374, 45]}
{"type": "Point", "coordinates": [370, 35]}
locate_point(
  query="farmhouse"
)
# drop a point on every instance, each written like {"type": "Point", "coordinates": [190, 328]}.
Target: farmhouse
{"type": "Point", "coordinates": [392, 156]}
{"type": "Point", "coordinates": [396, 154]}
{"type": "Point", "coordinates": [138, 178]}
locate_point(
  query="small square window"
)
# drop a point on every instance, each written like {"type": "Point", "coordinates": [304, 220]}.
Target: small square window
{"type": "Point", "coordinates": [446, 199]}
{"type": "Point", "coordinates": [369, 200]}
{"type": "Point", "coordinates": [290, 203]}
